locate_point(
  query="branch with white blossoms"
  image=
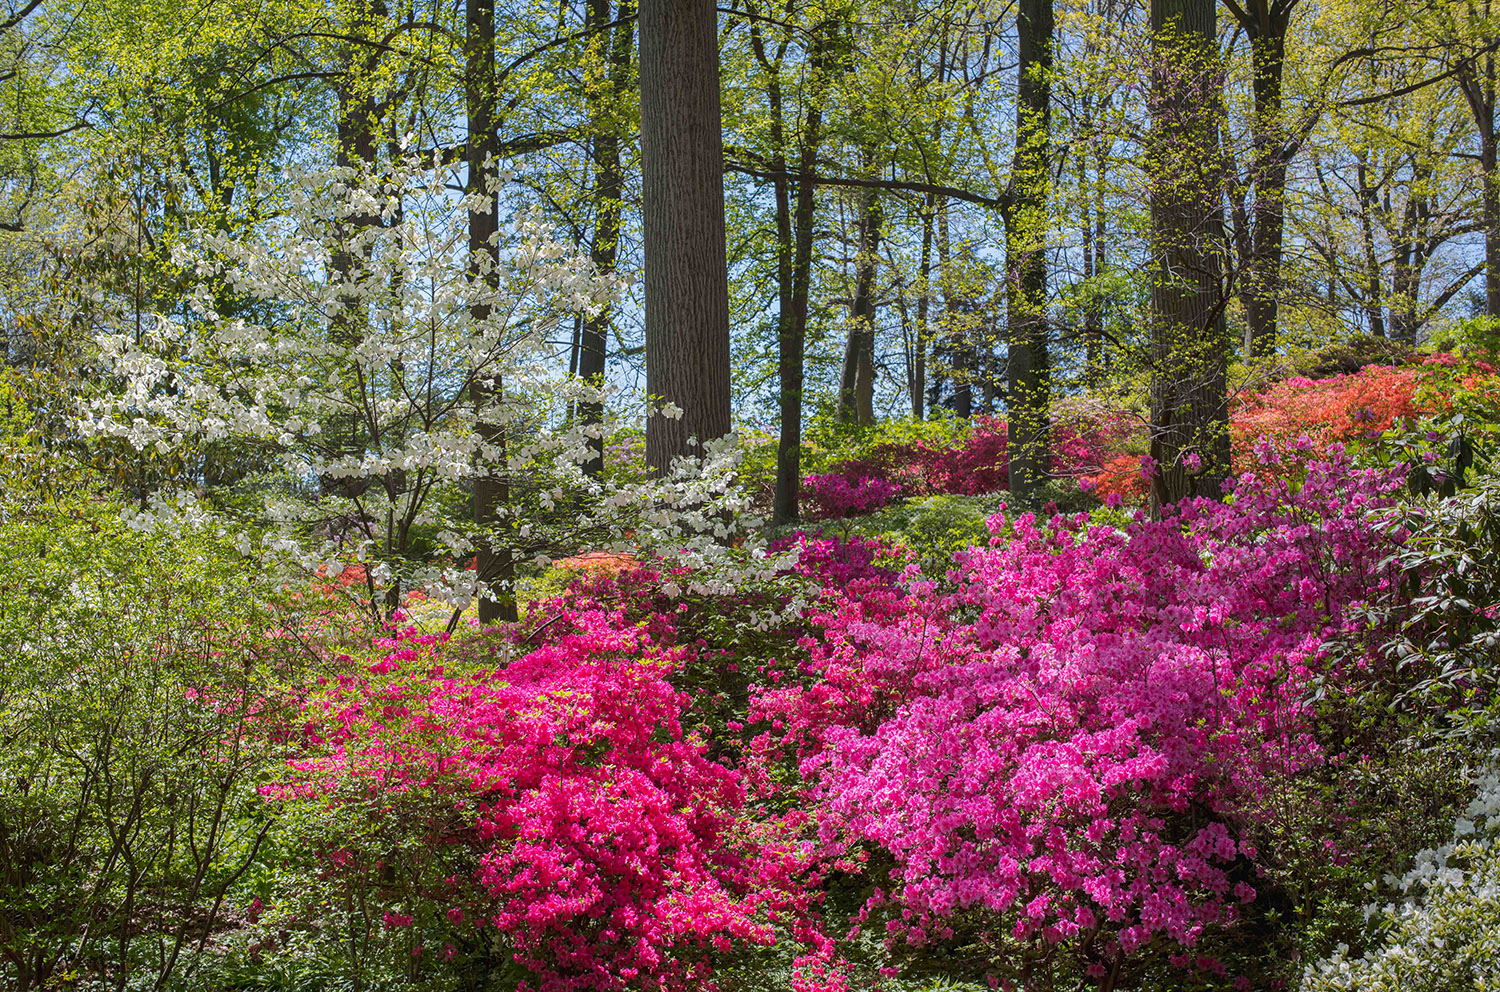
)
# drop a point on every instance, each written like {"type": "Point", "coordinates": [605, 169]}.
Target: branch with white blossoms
{"type": "Point", "coordinates": [699, 519]}
{"type": "Point", "coordinates": [1442, 932]}
{"type": "Point", "coordinates": [377, 349]}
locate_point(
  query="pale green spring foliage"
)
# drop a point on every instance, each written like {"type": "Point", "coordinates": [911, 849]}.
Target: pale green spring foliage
{"type": "Point", "coordinates": [1443, 932]}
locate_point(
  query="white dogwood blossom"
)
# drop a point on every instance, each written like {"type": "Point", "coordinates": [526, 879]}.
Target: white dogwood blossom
{"type": "Point", "coordinates": [359, 344]}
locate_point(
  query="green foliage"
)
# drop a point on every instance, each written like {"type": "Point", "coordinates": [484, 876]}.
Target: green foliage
{"type": "Point", "coordinates": [932, 528]}
{"type": "Point", "coordinates": [1474, 338]}
{"type": "Point", "coordinates": [136, 683]}
{"type": "Point", "coordinates": [1324, 838]}
{"type": "Point", "coordinates": [828, 441]}
{"type": "Point", "coordinates": [1349, 356]}
{"type": "Point", "coordinates": [1441, 929]}
{"type": "Point", "coordinates": [1448, 646]}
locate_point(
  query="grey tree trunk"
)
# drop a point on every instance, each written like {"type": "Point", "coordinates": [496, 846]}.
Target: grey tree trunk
{"type": "Point", "coordinates": [494, 557]}
{"type": "Point", "coordinates": [1190, 346]}
{"type": "Point", "coordinates": [687, 278]}
{"type": "Point", "coordinates": [1265, 23]}
{"type": "Point", "coordinates": [857, 384]}
{"type": "Point", "coordinates": [1478, 83]}
{"type": "Point", "coordinates": [608, 194]}
{"type": "Point", "coordinates": [795, 271]}
{"type": "Point", "coordinates": [924, 304]}
{"type": "Point", "coordinates": [1025, 215]}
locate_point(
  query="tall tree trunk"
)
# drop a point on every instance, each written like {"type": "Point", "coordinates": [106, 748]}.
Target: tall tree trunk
{"type": "Point", "coordinates": [1478, 85]}
{"type": "Point", "coordinates": [687, 278]}
{"type": "Point", "coordinates": [791, 337]}
{"type": "Point", "coordinates": [1490, 173]}
{"type": "Point", "coordinates": [494, 558]}
{"type": "Point", "coordinates": [1092, 331]}
{"type": "Point", "coordinates": [1406, 269]}
{"type": "Point", "coordinates": [857, 384]}
{"type": "Point", "coordinates": [1266, 22]}
{"type": "Point", "coordinates": [608, 196]}
{"type": "Point", "coordinates": [1374, 309]}
{"type": "Point", "coordinates": [953, 330]}
{"type": "Point", "coordinates": [924, 304]}
{"type": "Point", "coordinates": [1025, 216]}
{"type": "Point", "coordinates": [1189, 401]}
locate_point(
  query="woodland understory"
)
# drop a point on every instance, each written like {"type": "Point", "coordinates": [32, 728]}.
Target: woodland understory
{"type": "Point", "coordinates": [848, 494]}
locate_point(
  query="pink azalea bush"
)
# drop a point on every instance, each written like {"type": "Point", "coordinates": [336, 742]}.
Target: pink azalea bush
{"type": "Point", "coordinates": [1070, 743]}
{"type": "Point", "coordinates": [837, 563]}
{"type": "Point", "coordinates": [1067, 746]}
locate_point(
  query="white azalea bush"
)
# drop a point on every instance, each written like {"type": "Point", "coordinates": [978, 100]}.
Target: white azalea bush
{"type": "Point", "coordinates": [360, 348]}
{"type": "Point", "coordinates": [1442, 931]}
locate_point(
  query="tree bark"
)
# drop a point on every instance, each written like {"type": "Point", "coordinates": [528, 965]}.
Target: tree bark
{"type": "Point", "coordinates": [857, 384]}
{"type": "Point", "coordinates": [494, 558]}
{"type": "Point", "coordinates": [1374, 309]}
{"type": "Point", "coordinates": [1478, 85]}
{"type": "Point", "coordinates": [1189, 402]}
{"type": "Point", "coordinates": [609, 192]}
{"type": "Point", "coordinates": [1025, 216]}
{"type": "Point", "coordinates": [687, 278]}
{"type": "Point", "coordinates": [924, 305]}
{"type": "Point", "coordinates": [795, 268]}
{"type": "Point", "coordinates": [1265, 22]}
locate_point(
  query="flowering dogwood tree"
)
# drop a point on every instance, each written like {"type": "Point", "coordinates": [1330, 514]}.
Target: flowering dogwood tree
{"type": "Point", "coordinates": [358, 373]}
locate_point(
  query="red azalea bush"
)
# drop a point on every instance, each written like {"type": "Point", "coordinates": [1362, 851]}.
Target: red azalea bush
{"type": "Point", "coordinates": [836, 496]}
{"type": "Point", "coordinates": [1083, 434]}
{"type": "Point", "coordinates": [1341, 408]}
{"type": "Point", "coordinates": [1070, 743]}
{"type": "Point", "coordinates": [974, 463]}
{"type": "Point", "coordinates": [1122, 477]}
{"type": "Point", "coordinates": [604, 848]}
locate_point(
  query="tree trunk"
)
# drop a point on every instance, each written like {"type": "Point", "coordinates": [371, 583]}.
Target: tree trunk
{"type": "Point", "coordinates": [1491, 177]}
{"type": "Point", "coordinates": [857, 384]}
{"type": "Point", "coordinates": [687, 278]}
{"type": "Point", "coordinates": [1374, 309]}
{"type": "Point", "coordinates": [1260, 282]}
{"type": "Point", "coordinates": [1025, 216]}
{"type": "Point", "coordinates": [1093, 336]}
{"type": "Point", "coordinates": [1478, 87]}
{"type": "Point", "coordinates": [1406, 271]}
{"type": "Point", "coordinates": [924, 304]}
{"type": "Point", "coordinates": [796, 276]}
{"type": "Point", "coordinates": [608, 194]}
{"type": "Point", "coordinates": [1189, 401]}
{"type": "Point", "coordinates": [494, 558]}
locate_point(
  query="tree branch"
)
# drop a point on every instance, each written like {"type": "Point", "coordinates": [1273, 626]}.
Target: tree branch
{"type": "Point", "coordinates": [899, 185]}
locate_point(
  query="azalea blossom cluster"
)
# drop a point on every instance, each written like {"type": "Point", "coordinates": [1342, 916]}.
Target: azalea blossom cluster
{"type": "Point", "coordinates": [837, 496]}
{"type": "Point", "coordinates": [1069, 742]}
{"type": "Point", "coordinates": [1344, 408]}
{"type": "Point", "coordinates": [602, 836]}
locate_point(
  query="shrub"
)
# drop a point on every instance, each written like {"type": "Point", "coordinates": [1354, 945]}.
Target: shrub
{"type": "Point", "coordinates": [1061, 751]}
{"type": "Point", "coordinates": [137, 686]}
{"type": "Point", "coordinates": [837, 496]}
{"type": "Point", "coordinates": [548, 818]}
{"type": "Point", "coordinates": [1342, 408]}
{"type": "Point", "coordinates": [1356, 354]}
{"type": "Point", "coordinates": [1442, 930]}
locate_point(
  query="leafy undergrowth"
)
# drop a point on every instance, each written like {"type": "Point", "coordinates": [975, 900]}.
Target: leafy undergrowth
{"type": "Point", "coordinates": [1064, 758]}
